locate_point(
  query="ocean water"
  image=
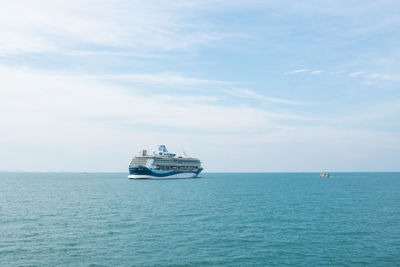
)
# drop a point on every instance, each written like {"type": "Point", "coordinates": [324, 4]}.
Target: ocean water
{"type": "Point", "coordinates": [233, 219]}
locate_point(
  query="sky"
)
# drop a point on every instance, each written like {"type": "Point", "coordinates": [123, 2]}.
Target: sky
{"type": "Point", "coordinates": [246, 86]}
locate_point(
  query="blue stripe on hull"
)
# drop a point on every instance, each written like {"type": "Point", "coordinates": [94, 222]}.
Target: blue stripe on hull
{"type": "Point", "coordinates": [146, 171]}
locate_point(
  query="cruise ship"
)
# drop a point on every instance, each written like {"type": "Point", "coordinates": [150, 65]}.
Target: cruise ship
{"type": "Point", "coordinates": [162, 164]}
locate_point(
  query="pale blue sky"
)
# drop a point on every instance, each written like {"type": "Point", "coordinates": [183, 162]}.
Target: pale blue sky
{"type": "Point", "coordinates": [243, 85]}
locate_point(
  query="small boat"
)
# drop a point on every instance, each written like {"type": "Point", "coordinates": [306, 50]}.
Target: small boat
{"type": "Point", "coordinates": [324, 174]}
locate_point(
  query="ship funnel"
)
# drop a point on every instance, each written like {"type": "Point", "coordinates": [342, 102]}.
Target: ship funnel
{"type": "Point", "coordinates": [162, 150]}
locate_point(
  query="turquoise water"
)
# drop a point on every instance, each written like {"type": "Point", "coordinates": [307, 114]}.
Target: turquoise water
{"type": "Point", "coordinates": [258, 219]}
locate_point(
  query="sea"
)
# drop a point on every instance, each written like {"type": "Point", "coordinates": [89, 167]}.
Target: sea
{"type": "Point", "coordinates": [218, 219]}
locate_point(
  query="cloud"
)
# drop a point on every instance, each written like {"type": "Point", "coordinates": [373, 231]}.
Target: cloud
{"type": "Point", "coordinates": [375, 76]}
{"type": "Point", "coordinates": [336, 72]}
{"type": "Point", "coordinates": [134, 26]}
{"type": "Point", "coordinates": [355, 74]}
{"type": "Point", "coordinates": [314, 72]}
{"type": "Point", "coordinates": [165, 79]}
{"type": "Point", "coordinates": [383, 76]}
{"type": "Point", "coordinates": [40, 100]}
{"type": "Point", "coordinates": [297, 71]}
{"type": "Point", "coordinates": [317, 72]}
{"type": "Point", "coordinates": [188, 98]}
{"type": "Point", "coordinates": [247, 93]}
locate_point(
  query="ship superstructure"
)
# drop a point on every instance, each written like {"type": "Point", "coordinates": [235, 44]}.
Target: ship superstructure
{"type": "Point", "coordinates": [163, 164]}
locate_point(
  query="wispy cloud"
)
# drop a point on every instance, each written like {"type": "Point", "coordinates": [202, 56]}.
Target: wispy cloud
{"type": "Point", "coordinates": [76, 99]}
{"type": "Point", "coordinates": [165, 79]}
{"type": "Point", "coordinates": [336, 72]}
{"type": "Point", "coordinates": [297, 71]}
{"type": "Point", "coordinates": [383, 76]}
{"type": "Point", "coordinates": [314, 72]}
{"type": "Point", "coordinates": [357, 73]}
{"type": "Point", "coordinates": [375, 76]}
{"type": "Point", "coordinates": [73, 26]}
{"type": "Point", "coordinates": [317, 72]}
{"type": "Point", "coordinates": [188, 98]}
{"type": "Point", "coordinates": [247, 93]}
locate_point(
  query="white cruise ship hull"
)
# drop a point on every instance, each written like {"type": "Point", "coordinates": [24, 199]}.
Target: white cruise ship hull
{"type": "Point", "coordinates": [146, 173]}
{"type": "Point", "coordinates": [178, 175]}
